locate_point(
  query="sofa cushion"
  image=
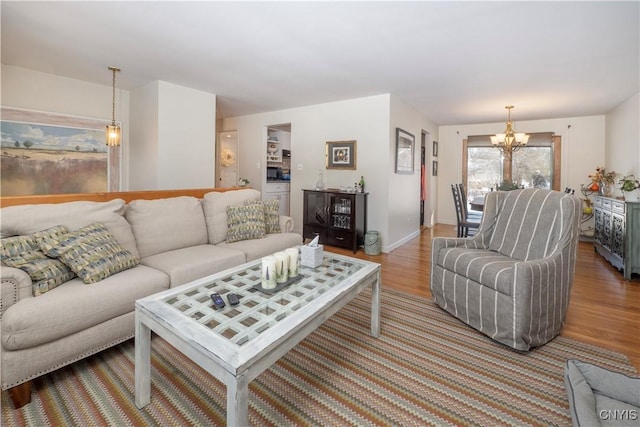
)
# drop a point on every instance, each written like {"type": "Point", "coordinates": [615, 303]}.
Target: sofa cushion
{"type": "Point", "coordinates": [23, 252]}
{"type": "Point", "coordinates": [254, 249]}
{"type": "Point", "coordinates": [486, 267]}
{"type": "Point", "coordinates": [27, 219]}
{"type": "Point", "coordinates": [272, 215]}
{"type": "Point", "coordinates": [215, 205]}
{"type": "Point", "coordinates": [187, 264]}
{"type": "Point", "coordinates": [74, 306]}
{"type": "Point", "coordinates": [91, 252]}
{"type": "Point", "coordinates": [245, 222]}
{"type": "Point", "coordinates": [166, 224]}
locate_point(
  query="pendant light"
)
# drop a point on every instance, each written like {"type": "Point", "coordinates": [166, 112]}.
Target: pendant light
{"type": "Point", "coordinates": [510, 140]}
{"type": "Point", "coordinates": [113, 130]}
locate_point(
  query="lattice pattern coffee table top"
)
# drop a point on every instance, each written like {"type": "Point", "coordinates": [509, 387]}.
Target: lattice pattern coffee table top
{"type": "Point", "coordinates": [258, 311]}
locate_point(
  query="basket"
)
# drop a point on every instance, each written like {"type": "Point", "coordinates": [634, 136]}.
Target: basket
{"type": "Point", "coordinates": [311, 256]}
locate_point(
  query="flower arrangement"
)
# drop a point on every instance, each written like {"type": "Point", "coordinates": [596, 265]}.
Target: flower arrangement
{"type": "Point", "coordinates": [243, 182]}
{"type": "Point", "coordinates": [602, 175]}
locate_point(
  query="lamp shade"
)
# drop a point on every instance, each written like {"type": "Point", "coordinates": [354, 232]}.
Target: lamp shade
{"type": "Point", "coordinates": [522, 138]}
{"type": "Point", "coordinates": [113, 135]}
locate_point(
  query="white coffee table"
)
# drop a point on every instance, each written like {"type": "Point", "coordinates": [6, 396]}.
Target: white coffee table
{"type": "Point", "coordinates": [235, 344]}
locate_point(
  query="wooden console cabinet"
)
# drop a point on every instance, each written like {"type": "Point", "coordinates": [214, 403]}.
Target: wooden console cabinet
{"type": "Point", "coordinates": [339, 218]}
{"type": "Point", "coordinates": [617, 233]}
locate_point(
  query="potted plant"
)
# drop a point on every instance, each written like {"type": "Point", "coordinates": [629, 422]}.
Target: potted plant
{"type": "Point", "coordinates": [508, 186]}
{"type": "Point", "coordinates": [243, 182]}
{"type": "Point", "coordinates": [630, 187]}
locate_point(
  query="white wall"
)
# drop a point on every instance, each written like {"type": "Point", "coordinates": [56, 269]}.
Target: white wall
{"type": "Point", "coordinates": [144, 149]}
{"type": "Point", "coordinates": [364, 120]}
{"type": "Point", "coordinates": [393, 201]}
{"type": "Point", "coordinates": [403, 198]}
{"type": "Point", "coordinates": [622, 150]}
{"type": "Point", "coordinates": [173, 137]}
{"type": "Point", "coordinates": [583, 149]}
{"type": "Point", "coordinates": [33, 90]}
{"type": "Point", "coordinates": [186, 137]}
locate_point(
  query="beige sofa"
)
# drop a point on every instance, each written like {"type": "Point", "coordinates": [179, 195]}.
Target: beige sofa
{"type": "Point", "coordinates": [176, 239]}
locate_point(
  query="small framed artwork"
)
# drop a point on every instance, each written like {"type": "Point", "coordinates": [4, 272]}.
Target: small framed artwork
{"type": "Point", "coordinates": [340, 155]}
{"type": "Point", "coordinates": [405, 143]}
{"type": "Point", "coordinates": [435, 168]}
{"type": "Point", "coordinates": [435, 148]}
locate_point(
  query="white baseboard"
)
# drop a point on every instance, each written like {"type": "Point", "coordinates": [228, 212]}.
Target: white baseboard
{"type": "Point", "coordinates": [396, 245]}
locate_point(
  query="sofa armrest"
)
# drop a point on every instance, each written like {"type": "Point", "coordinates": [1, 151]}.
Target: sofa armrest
{"type": "Point", "coordinates": [286, 224]}
{"type": "Point", "coordinates": [15, 285]}
{"type": "Point", "coordinates": [438, 243]}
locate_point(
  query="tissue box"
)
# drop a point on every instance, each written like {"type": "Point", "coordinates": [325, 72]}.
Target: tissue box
{"type": "Point", "coordinates": [311, 256]}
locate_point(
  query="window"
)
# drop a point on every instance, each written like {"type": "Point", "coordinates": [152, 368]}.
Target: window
{"type": "Point", "coordinates": [535, 165]}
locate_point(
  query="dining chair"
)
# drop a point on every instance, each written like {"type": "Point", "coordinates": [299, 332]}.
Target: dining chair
{"type": "Point", "coordinates": [471, 214]}
{"type": "Point", "coordinates": [466, 226]}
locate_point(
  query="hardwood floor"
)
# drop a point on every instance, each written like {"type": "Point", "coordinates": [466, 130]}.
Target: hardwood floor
{"type": "Point", "coordinates": [604, 309]}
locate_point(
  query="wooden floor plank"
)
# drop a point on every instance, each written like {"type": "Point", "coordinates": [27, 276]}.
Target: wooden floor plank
{"type": "Point", "coordinates": [604, 309]}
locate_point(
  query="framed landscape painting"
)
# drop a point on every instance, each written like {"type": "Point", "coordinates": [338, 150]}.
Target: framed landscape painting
{"type": "Point", "coordinates": [47, 153]}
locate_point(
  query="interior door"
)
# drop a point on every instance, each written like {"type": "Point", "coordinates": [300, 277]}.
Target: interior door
{"type": "Point", "coordinates": [227, 164]}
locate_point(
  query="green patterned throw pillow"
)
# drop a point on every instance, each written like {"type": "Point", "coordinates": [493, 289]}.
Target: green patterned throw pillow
{"type": "Point", "coordinates": [91, 252]}
{"type": "Point", "coordinates": [245, 222]}
{"type": "Point", "coordinates": [271, 214]}
{"type": "Point", "coordinates": [23, 252]}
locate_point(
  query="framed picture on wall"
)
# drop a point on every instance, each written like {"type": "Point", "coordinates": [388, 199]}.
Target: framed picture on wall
{"type": "Point", "coordinates": [434, 172]}
{"type": "Point", "coordinates": [340, 155]}
{"type": "Point", "coordinates": [435, 148]}
{"type": "Point", "coordinates": [405, 145]}
{"type": "Point", "coordinates": [51, 153]}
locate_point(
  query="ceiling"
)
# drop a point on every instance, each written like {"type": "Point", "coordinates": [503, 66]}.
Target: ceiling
{"type": "Point", "coordinates": [455, 62]}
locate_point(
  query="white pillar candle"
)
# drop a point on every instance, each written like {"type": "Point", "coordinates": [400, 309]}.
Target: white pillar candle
{"type": "Point", "coordinates": [293, 261]}
{"type": "Point", "coordinates": [282, 266]}
{"type": "Point", "coordinates": [269, 272]}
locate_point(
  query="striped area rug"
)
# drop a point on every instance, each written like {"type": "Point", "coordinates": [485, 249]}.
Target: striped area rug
{"type": "Point", "coordinates": [426, 368]}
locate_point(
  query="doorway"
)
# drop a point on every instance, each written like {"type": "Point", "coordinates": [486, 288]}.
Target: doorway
{"type": "Point", "coordinates": [423, 175]}
{"type": "Point", "coordinates": [277, 179]}
{"type": "Point", "coordinates": [227, 159]}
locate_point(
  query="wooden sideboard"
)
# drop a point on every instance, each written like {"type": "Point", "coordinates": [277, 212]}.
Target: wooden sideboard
{"type": "Point", "coordinates": [338, 217]}
{"type": "Point", "coordinates": [617, 233]}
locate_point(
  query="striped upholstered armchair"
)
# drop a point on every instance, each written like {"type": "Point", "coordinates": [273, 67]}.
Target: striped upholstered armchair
{"type": "Point", "coordinates": [512, 280]}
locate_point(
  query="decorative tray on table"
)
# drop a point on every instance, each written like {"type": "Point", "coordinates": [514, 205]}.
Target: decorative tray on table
{"type": "Point", "coordinates": [280, 286]}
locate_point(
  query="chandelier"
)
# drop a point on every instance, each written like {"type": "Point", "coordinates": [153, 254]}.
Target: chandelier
{"type": "Point", "coordinates": [510, 140]}
{"type": "Point", "coordinates": [113, 130]}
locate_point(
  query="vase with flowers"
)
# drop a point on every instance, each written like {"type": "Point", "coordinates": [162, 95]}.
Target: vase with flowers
{"type": "Point", "coordinates": [602, 181]}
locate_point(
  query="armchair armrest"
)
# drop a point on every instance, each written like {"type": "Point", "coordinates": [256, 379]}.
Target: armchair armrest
{"type": "Point", "coordinates": [286, 224]}
{"type": "Point", "coordinates": [15, 285]}
{"type": "Point", "coordinates": [438, 243]}
{"type": "Point", "coordinates": [538, 275]}
{"type": "Point", "coordinates": [541, 292]}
